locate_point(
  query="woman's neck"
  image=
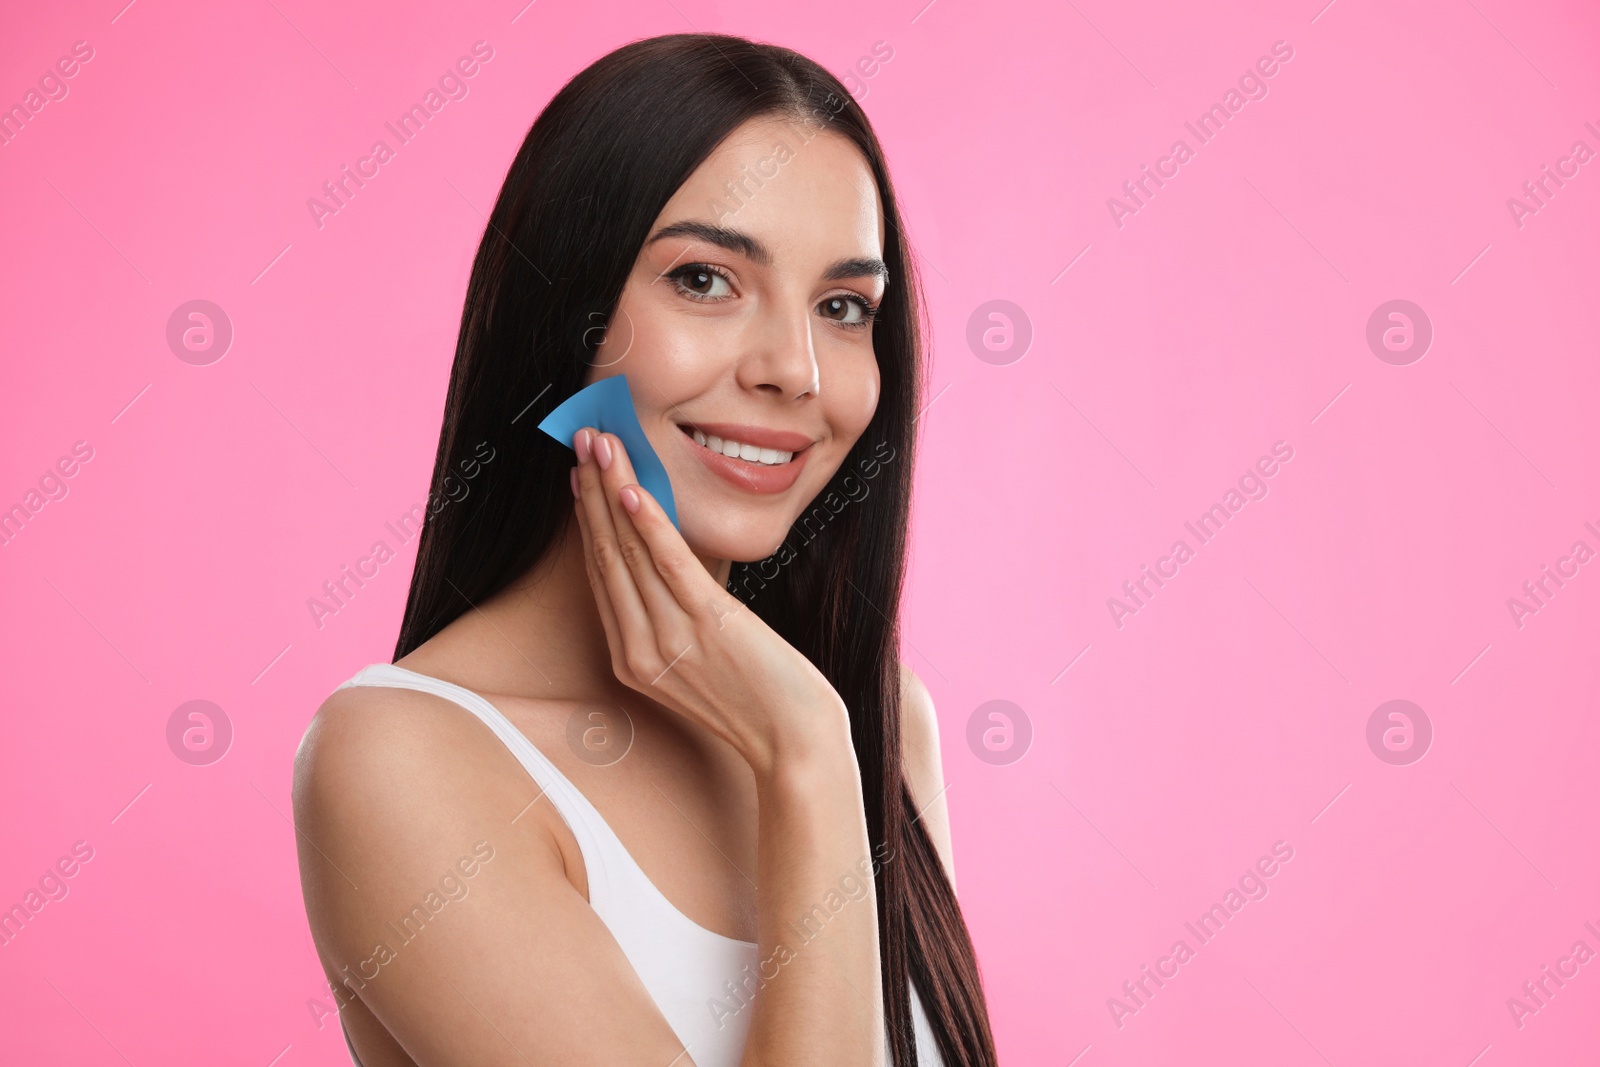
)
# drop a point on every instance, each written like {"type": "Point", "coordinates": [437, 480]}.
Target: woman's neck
{"type": "Point", "coordinates": [541, 636]}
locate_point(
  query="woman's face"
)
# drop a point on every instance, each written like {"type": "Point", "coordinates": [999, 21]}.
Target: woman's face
{"type": "Point", "coordinates": [746, 327]}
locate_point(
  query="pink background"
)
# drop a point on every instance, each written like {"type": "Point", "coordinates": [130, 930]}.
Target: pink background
{"type": "Point", "coordinates": [1227, 314]}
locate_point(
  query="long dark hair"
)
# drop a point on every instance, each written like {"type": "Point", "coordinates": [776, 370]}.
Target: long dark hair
{"type": "Point", "coordinates": [597, 167]}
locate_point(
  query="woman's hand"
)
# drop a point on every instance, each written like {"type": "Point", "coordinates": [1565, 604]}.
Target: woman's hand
{"type": "Point", "coordinates": [681, 639]}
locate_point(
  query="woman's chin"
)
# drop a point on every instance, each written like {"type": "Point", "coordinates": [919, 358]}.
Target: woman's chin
{"type": "Point", "coordinates": [751, 546]}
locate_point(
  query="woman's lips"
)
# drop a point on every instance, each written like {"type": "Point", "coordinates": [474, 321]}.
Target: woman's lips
{"type": "Point", "coordinates": [749, 475]}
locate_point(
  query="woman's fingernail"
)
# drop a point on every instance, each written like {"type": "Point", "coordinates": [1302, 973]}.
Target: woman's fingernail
{"type": "Point", "coordinates": [630, 499]}
{"type": "Point", "coordinates": [581, 446]}
{"type": "Point", "coordinates": [574, 473]}
{"type": "Point", "coordinates": [602, 452]}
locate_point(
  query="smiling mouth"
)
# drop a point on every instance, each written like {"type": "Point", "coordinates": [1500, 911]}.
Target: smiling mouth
{"type": "Point", "coordinates": [738, 450]}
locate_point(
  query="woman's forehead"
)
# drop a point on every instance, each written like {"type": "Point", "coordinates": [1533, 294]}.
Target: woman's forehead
{"type": "Point", "coordinates": [797, 191]}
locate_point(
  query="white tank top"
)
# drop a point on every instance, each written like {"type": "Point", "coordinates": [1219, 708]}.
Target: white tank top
{"type": "Point", "coordinates": [700, 980]}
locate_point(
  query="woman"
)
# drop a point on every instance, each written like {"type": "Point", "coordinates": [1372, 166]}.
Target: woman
{"type": "Point", "coordinates": [600, 809]}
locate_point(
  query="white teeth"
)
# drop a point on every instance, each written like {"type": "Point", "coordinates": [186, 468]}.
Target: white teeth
{"type": "Point", "coordinates": [770, 457]}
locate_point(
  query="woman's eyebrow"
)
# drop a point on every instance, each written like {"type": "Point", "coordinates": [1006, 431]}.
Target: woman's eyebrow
{"type": "Point", "coordinates": [758, 253]}
{"type": "Point", "coordinates": [857, 268]}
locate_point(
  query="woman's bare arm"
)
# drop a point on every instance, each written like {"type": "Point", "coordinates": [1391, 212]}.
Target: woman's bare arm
{"type": "Point", "coordinates": [681, 639]}
{"type": "Point", "coordinates": [394, 790]}
{"type": "Point", "coordinates": [818, 920]}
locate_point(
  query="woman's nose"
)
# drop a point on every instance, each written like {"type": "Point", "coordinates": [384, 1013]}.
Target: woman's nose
{"type": "Point", "coordinates": [781, 359]}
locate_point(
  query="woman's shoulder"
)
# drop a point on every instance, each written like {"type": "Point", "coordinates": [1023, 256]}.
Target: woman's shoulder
{"type": "Point", "coordinates": [357, 725]}
{"type": "Point", "coordinates": [375, 749]}
{"type": "Point", "coordinates": [402, 800]}
{"type": "Point", "coordinates": [923, 766]}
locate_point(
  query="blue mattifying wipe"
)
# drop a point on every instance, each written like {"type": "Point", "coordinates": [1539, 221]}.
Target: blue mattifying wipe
{"type": "Point", "coordinates": [607, 405]}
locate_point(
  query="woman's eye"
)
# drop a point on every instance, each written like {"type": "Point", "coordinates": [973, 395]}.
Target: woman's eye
{"type": "Point", "coordinates": [700, 282]}
{"type": "Point", "coordinates": [848, 310]}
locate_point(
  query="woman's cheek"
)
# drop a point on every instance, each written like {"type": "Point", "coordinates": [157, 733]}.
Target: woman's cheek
{"type": "Point", "coordinates": [683, 354]}
{"type": "Point", "coordinates": [863, 402]}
